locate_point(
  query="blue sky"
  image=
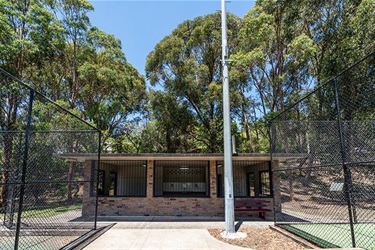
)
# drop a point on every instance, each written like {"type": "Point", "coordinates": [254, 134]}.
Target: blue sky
{"type": "Point", "coordinates": [140, 25]}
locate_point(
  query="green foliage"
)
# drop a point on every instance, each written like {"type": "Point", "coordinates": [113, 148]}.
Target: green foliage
{"type": "Point", "coordinates": [187, 64]}
{"type": "Point", "coordinates": [174, 121]}
{"type": "Point", "coordinates": [279, 51]}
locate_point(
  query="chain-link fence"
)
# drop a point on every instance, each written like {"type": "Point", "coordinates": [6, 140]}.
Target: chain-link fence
{"type": "Point", "coordinates": [324, 190]}
{"type": "Point", "coordinates": [41, 193]}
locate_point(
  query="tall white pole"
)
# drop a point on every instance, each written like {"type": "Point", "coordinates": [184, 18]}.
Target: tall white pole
{"type": "Point", "coordinates": [228, 173]}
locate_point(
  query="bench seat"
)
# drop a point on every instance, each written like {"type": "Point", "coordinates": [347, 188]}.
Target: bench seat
{"type": "Point", "coordinates": [251, 205]}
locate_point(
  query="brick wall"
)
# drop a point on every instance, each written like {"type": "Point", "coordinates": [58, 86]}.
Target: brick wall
{"type": "Point", "coordinates": [160, 206]}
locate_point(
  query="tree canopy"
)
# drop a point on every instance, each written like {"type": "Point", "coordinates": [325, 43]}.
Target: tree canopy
{"type": "Point", "coordinates": [279, 51]}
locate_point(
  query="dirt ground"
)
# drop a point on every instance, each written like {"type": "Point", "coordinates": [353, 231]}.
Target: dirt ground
{"type": "Point", "coordinates": [260, 239]}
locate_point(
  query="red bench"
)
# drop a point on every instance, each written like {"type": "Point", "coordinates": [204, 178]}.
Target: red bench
{"type": "Point", "coordinates": [250, 205]}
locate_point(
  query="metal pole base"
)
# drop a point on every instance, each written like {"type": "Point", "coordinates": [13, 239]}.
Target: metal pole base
{"type": "Point", "coordinates": [236, 235]}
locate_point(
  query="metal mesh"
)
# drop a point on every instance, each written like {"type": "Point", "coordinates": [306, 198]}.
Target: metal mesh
{"type": "Point", "coordinates": [41, 193]}
{"type": "Point", "coordinates": [181, 179]}
{"type": "Point", "coordinates": [127, 179]}
{"type": "Point", "coordinates": [324, 184]}
{"type": "Point", "coordinates": [247, 179]}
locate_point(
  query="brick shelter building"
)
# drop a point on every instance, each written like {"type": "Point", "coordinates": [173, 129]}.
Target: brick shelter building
{"type": "Point", "coordinates": [172, 184]}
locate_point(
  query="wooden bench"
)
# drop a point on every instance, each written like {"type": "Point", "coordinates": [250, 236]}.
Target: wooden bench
{"type": "Point", "coordinates": [251, 205]}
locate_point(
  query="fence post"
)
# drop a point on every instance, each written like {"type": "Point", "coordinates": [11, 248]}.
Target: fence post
{"type": "Point", "coordinates": [271, 168]}
{"type": "Point", "coordinates": [24, 166]}
{"type": "Point", "coordinates": [12, 190]}
{"type": "Point", "coordinates": [97, 180]}
{"type": "Point", "coordinates": [347, 175]}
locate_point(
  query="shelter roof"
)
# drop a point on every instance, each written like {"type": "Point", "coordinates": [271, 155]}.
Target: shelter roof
{"type": "Point", "coordinates": [178, 156]}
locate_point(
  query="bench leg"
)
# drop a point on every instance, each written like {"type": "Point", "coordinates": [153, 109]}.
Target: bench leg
{"type": "Point", "coordinates": [262, 215]}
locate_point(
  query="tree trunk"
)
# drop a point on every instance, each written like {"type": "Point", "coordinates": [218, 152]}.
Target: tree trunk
{"type": "Point", "coordinates": [70, 178]}
{"type": "Point", "coordinates": [291, 187]}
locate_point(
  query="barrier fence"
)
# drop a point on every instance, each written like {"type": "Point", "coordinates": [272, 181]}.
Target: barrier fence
{"type": "Point", "coordinates": [41, 193]}
{"type": "Point", "coordinates": [325, 188]}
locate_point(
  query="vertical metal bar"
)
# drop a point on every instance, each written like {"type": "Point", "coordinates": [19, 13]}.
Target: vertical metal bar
{"type": "Point", "coordinates": [271, 142]}
{"type": "Point", "coordinates": [24, 166]}
{"type": "Point", "coordinates": [97, 181]}
{"type": "Point", "coordinates": [347, 176]}
{"type": "Point", "coordinates": [228, 173]}
{"type": "Point", "coordinates": [270, 163]}
{"type": "Point", "coordinates": [271, 177]}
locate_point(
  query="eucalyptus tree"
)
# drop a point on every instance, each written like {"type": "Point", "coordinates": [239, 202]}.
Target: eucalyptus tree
{"type": "Point", "coordinates": [74, 18]}
{"type": "Point", "coordinates": [273, 62]}
{"type": "Point", "coordinates": [187, 65]}
{"type": "Point", "coordinates": [112, 90]}
{"type": "Point", "coordinates": [174, 121]}
{"type": "Point", "coordinates": [136, 137]}
{"type": "Point", "coordinates": [289, 48]}
{"type": "Point", "coordinates": [245, 110]}
{"type": "Point", "coordinates": [24, 42]}
{"type": "Point", "coordinates": [275, 53]}
{"type": "Point", "coordinates": [343, 32]}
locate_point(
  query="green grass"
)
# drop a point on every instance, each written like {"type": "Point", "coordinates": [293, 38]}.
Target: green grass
{"type": "Point", "coordinates": [49, 212]}
{"type": "Point", "coordinates": [335, 235]}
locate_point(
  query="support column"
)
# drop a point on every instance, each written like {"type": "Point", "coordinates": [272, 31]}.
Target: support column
{"type": "Point", "coordinates": [150, 179]}
{"type": "Point", "coordinates": [276, 191]}
{"type": "Point", "coordinates": [213, 181]}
